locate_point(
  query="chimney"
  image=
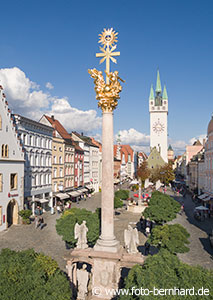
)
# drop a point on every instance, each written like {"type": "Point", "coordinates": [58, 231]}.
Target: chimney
{"type": "Point", "coordinates": [52, 117]}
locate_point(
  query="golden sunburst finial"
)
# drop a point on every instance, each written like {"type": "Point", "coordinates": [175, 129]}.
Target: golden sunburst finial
{"type": "Point", "coordinates": [108, 37]}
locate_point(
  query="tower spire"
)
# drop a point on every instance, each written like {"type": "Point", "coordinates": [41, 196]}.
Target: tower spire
{"type": "Point", "coordinates": [151, 95]}
{"type": "Point", "coordinates": [158, 83]}
{"type": "Point", "coordinates": [165, 96]}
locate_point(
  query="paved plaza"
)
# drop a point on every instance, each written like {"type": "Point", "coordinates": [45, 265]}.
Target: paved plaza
{"type": "Point", "coordinates": [47, 241]}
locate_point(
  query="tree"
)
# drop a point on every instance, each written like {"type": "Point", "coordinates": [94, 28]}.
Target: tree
{"type": "Point", "coordinates": [165, 271]}
{"type": "Point", "coordinates": [171, 237]}
{"type": "Point", "coordinates": [65, 225]}
{"type": "Point", "coordinates": [167, 174]}
{"type": "Point", "coordinates": [122, 194]}
{"type": "Point", "coordinates": [143, 171]}
{"type": "Point", "coordinates": [162, 208]}
{"type": "Point", "coordinates": [29, 275]}
{"type": "Point", "coordinates": [164, 173]}
{"type": "Point", "coordinates": [118, 203]}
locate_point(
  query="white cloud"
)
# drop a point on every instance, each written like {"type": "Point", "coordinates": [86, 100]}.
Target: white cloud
{"type": "Point", "coordinates": [137, 140]}
{"type": "Point", "coordinates": [26, 98]}
{"type": "Point", "coordinates": [49, 86]}
{"type": "Point", "coordinates": [134, 137]}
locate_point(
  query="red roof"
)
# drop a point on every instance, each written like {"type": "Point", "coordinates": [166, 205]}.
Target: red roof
{"type": "Point", "coordinates": [58, 127]}
{"type": "Point", "coordinates": [62, 131]}
{"type": "Point", "coordinates": [126, 150]}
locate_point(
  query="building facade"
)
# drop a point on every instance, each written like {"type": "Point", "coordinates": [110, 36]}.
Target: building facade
{"type": "Point", "coordinates": [158, 109]}
{"type": "Point", "coordinates": [209, 160]}
{"type": "Point", "coordinates": [63, 158]}
{"type": "Point", "coordinates": [36, 139]}
{"type": "Point", "coordinates": [11, 168]}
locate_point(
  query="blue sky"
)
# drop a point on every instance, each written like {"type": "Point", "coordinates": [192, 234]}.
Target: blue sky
{"type": "Point", "coordinates": [56, 42]}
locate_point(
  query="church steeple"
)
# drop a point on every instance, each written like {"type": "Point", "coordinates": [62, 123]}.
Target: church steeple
{"type": "Point", "coordinates": [165, 96]}
{"type": "Point", "coordinates": [158, 83]}
{"type": "Point", "coordinates": [151, 95]}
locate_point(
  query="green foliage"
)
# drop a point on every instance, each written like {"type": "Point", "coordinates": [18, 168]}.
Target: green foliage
{"type": "Point", "coordinates": [65, 225]}
{"type": "Point", "coordinates": [162, 208]}
{"type": "Point", "coordinates": [166, 271]}
{"type": "Point", "coordinates": [122, 194]}
{"type": "Point", "coordinates": [164, 173]}
{"type": "Point", "coordinates": [47, 264]}
{"type": "Point", "coordinates": [171, 237]}
{"type": "Point", "coordinates": [23, 276]}
{"type": "Point", "coordinates": [118, 203]}
{"type": "Point", "coordinates": [135, 187]}
{"type": "Point", "coordinates": [25, 213]}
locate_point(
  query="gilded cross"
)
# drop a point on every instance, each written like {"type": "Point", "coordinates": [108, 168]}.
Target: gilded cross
{"type": "Point", "coordinates": [107, 38]}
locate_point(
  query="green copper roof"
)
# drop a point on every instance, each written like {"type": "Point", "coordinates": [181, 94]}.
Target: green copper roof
{"type": "Point", "coordinates": [170, 147]}
{"type": "Point", "coordinates": [165, 96]}
{"type": "Point", "coordinates": [158, 84]}
{"type": "Point", "coordinates": [151, 95]}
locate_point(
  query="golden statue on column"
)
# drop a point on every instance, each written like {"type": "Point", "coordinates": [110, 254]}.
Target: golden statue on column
{"type": "Point", "coordinates": [107, 92]}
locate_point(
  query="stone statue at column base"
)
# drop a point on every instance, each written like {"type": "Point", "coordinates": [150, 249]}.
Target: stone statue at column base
{"type": "Point", "coordinates": [131, 240]}
{"type": "Point", "coordinates": [82, 282]}
{"type": "Point", "coordinates": [81, 234]}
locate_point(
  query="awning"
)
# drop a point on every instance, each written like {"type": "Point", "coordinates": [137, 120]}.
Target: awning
{"type": "Point", "coordinates": [74, 194]}
{"type": "Point", "coordinates": [89, 187]}
{"type": "Point", "coordinates": [41, 200]}
{"type": "Point", "coordinates": [207, 198]}
{"type": "Point", "coordinates": [83, 190]}
{"type": "Point", "coordinates": [62, 196]}
{"type": "Point", "coordinates": [116, 180]}
{"type": "Point", "coordinates": [203, 196]}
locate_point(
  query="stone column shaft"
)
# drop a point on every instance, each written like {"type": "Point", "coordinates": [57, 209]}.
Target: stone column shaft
{"type": "Point", "coordinates": [107, 241]}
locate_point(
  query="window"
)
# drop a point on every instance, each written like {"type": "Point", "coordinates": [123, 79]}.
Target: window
{"type": "Point", "coordinates": [60, 160]}
{"type": "Point", "coordinates": [54, 159]}
{"type": "Point", "coordinates": [60, 149]}
{"type": "Point", "coordinates": [61, 172]}
{"type": "Point", "coordinates": [31, 140]}
{"type": "Point", "coordinates": [1, 182]}
{"type": "Point", "coordinates": [55, 186]}
{"type": "Point", "coordinates": [4, 151]}
{"type": "Point", "coordinates": [0, 122]}
{"type": "Point", "coordinates": [13, 181]}
{"type": "Point", "coordinates": [54, 148]}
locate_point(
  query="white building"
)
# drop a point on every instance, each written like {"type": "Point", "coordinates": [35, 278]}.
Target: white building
{"type": "Point", "coordinates": [94, 166]}
{"type": "Point", "coordinates": [37, 143]}
{"type": "Point", "coordinates": [209, 161]}
{"type": "Point", "coordinates": [158, 108]}
{"type": "Point", "coordinates": [11, 168]}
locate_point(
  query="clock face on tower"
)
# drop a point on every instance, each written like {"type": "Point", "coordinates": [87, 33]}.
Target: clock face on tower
{"type": "Point", "coordinates": [158, 127]}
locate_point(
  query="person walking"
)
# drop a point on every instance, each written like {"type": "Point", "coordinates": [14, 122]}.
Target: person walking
{"type": "Point", "coordinates": [147, 248]}
{"type": "Point", "coordinates": [41, 223]}
{"type": "Point", "coordinates": [58, 208]}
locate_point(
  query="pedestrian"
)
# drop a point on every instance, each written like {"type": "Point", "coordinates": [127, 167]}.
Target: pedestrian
{"type": "Point", "coordinates": [58, 208]}
{"type": "Point", "coordinates": [182, 209]}
{"type": "Point", "coordinates": [36, 222]}
{"type": "Point", "coordinates": [147, 231]}
{"type": "Point", "coordinates": [141, 222]}
{"type": "Point", "coordinates": [41, 223]}
{"type": "Point", "coordinates": [147, 248]}
{"type": "Point", "coordinates": [85, 197]}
